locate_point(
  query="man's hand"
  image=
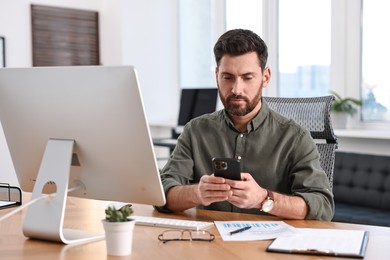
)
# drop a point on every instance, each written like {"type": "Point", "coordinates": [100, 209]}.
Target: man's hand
{"type": "Point", "coordinates": [246, 193]}
{"type": "Point", "coordinates": [242, 194]}
{"type": "Point", "coordinates": [209, 189]}
{"type": "Point", "coordinates": [212, 189]}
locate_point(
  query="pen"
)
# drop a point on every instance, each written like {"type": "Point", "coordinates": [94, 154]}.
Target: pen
{"type": "Point", "coordinates": [240, 230]}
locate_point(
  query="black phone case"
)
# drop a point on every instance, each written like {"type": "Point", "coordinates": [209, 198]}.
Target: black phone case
{"type": "Point", "coordinates": [228, 168]}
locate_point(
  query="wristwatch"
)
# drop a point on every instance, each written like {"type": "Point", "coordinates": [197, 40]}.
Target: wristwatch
{"type": "Point", "coordinates": [268, 204]}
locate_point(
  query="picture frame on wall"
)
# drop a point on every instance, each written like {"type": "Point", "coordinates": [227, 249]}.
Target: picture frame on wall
{"type": "Point", "coordinates": [2, 52]}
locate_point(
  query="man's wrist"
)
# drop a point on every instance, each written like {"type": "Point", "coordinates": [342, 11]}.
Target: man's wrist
{"type": "Point", "coordinates": [268, 203]}
{"type": "Point", "coordinates": [196, 199]}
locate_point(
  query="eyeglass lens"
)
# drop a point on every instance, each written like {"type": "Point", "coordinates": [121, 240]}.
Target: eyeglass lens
{"type": "Point", "coordinates": [186, 235]}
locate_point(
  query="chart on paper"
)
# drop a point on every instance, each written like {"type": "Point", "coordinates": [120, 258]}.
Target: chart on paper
{"type": "Point", "coordinates": [260, 230]}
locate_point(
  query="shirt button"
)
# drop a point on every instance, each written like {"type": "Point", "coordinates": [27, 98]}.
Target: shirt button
{"type": "Point", "coordinates": [241, 135]}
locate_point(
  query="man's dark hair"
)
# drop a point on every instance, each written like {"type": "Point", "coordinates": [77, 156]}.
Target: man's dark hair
{"type": "Point", "coordinates": [238, 42]}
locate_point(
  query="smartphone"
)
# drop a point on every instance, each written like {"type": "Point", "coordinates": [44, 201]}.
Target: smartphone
{"type": "Point", "coordinates": [228, 168]}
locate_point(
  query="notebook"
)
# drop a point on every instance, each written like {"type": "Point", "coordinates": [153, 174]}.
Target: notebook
{"type": "Point", "coordinates": [333, 242]}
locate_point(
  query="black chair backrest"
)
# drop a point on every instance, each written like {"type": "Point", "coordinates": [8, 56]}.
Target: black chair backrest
{"type": "Point", "coordinates": [312, 113]}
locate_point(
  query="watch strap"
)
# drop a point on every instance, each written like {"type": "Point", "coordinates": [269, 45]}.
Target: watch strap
{"type": "Point", "coordinates": [268, 198]}
{"type": "Point", "coordinates": [270, 195]}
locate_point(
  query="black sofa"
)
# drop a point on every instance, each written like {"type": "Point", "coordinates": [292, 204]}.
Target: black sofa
{"type": "Point", "coordinates": [361, 187]}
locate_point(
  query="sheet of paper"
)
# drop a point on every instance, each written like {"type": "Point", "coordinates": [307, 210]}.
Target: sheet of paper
{"type": "Point", "coordinates": [260, 230]}
{"type": "Point", "coordinates": [332, 241]}
{"type": "Point", "coordinates": [6, 203]}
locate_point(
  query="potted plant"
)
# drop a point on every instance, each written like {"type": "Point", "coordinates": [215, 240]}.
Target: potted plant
{"type": "Point", "coordinates": [342, 108]}
{"type": "Point", "coordinates": [119, 230]}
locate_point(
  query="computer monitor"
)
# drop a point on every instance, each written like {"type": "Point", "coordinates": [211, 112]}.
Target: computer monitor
{"type": "Point", "coordinates": [77, 126]}
{"type": "Point", "coordinates": [196, 102]}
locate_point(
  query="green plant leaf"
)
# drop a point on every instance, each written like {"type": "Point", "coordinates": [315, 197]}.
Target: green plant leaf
{"type": "Point", "coordinates": [347, 105]}
{"type": "Point", "coordinates": [118, 215]}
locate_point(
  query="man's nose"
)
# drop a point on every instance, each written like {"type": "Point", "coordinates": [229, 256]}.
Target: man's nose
{"type": "Point", "coordinates": [238, 87]}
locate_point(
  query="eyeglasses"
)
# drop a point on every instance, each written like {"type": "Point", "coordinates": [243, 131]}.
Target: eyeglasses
{"type": "Point", "coordinates": [185, 235]}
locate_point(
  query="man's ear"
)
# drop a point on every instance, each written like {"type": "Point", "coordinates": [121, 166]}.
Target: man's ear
{"type": "Point", "coordinates": [266, 76]}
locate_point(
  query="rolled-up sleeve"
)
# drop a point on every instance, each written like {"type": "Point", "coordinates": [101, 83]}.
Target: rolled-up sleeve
{"type": "Point", "coordinates": [311, 183]}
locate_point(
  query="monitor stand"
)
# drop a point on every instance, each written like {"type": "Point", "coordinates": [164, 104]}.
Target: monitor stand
{"type": "Point", "coordinates": [44, 219]}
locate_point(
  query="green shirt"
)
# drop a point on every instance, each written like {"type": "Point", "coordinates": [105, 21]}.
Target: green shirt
{"type": "Point", "coordinates": [279, 154]}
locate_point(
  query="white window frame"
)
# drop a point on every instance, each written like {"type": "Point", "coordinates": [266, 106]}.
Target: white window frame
{"type": "Point", "coordinates": [345, 69]}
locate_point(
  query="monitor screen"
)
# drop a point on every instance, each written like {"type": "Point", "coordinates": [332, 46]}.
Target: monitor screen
{"type": "Point", "coordinates": [196, 102]}
{"type": "Point", "coordinates": [101, 109]}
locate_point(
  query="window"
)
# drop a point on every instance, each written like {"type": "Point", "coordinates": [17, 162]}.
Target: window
{"type": "Point", "coordinates": [244, 14]}
{"type": "Point", "coordinates": [314, 47]}
{"type": "Point", "coordinates": [196, 41]}
{"type": "Point", "coordinates": [375, 81]}
{"type": "Point", "coordinates": [304, 47]}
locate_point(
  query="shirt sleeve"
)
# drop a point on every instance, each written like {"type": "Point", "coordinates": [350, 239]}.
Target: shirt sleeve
{"type": "Point", "coordinates": [179, 168]}
{"type": "Point", "coordinates": [309, 180]}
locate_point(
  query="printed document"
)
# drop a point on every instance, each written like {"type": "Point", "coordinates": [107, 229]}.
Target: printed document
{"type": "Point", "coordinates": [259, 230]}
{"type": "Point", "coordinates": [6, 203]}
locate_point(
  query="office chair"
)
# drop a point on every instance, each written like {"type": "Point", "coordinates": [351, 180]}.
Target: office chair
{"type": "Point", "coordinates": [312, 113]}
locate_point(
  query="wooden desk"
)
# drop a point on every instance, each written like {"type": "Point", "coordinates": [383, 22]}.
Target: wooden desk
{"type": "Point", "coordinates": [87, 214]}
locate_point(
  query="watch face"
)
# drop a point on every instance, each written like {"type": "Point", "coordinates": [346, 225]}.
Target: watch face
{"type": "Point", "coordinates": [267, 206]}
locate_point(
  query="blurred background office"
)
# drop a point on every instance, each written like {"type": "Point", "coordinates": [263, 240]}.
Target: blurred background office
{"type": "Point", "coordinates": [315, 47]}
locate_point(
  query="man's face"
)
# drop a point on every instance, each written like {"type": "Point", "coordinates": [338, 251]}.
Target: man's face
{"type": "Point", "coordinates": [240, 83]}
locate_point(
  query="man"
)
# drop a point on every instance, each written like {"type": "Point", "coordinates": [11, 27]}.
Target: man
{"type": "Point", "coordinates": [281, 173]}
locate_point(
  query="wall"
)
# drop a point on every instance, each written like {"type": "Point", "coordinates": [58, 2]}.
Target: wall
{"type": "Point", "coordinates": [132, 32]}
{"type": "Point", "coordinates": [139, 33]}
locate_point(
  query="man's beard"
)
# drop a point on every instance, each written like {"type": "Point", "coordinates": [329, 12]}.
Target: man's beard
{"type": "Point", "coordinates": [238, 110]}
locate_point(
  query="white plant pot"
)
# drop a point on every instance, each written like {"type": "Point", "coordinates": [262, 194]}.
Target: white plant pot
{"type": "Point", "coordinates": [119, 237]}
{"type": "Point", "coordinates": [339, 120]}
